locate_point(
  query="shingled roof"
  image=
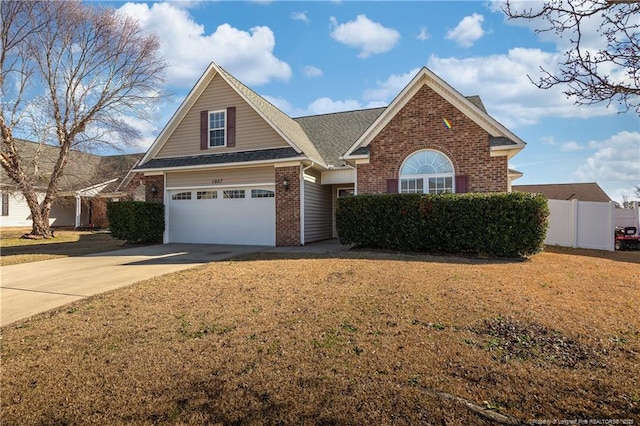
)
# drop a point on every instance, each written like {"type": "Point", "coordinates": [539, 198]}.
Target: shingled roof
{"type": "Point", "coordinates": [589, 191]}
{"type": "Point", "coordinates": [323, 138]}
{"type": "Point", "coordinates": [82, 170]}
{"type": "Point", "coordinates": [222, 158]}
{"type": "Point", "coordinates": [334, 133]}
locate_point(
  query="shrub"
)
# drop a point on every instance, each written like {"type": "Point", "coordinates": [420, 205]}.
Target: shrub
{"type": "Point", "coordinates": [499, 224]}
{"type": "Point", "coordinates": [136, 221]}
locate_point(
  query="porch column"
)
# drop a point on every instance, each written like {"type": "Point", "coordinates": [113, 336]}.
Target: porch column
{"type": "Point", "coordinates": [78, 210]}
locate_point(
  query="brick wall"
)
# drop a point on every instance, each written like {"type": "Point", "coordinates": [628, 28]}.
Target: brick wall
{"type": "Point", "coordinates": [419, 126]}
{"type": "Point", "coordinates": [158, 183]}
{"type": "Point", "coordinates": [288, 207]}
{"type": "Point", "coordinates": [99, 213]}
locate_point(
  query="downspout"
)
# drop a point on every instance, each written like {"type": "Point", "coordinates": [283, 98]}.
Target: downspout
{"type": "Point", "coordinates": [355, 181]}
{"type": "Point", "coordinates": [302, 201]}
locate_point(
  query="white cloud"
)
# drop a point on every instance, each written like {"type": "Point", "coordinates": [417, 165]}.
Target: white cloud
{"type": "Point", "coordinates": [322, 105]}
{"type": "Point", "coordinates": [311, 71]}
{"type": "Point", "coordinates": [468, 31]}
{"type": "Point", "coordinates": [368, 36]}
{"type": "Point", "coordinates": [390, 88]}
{"type": "Point", "coordinates": [300, 16]}
{"type": "Point", "coordinates": [327, 105]}
{"type": "Point", "coordinates": [616, 162]}
{"type": "Point", "coordinates": [507, 92]}
{"type": "Point", "coordinates": [423, 34]}
{"type": "Point", "coordinates": [571, 146]}
{"type": "Point", "coordinates": [189, 50]}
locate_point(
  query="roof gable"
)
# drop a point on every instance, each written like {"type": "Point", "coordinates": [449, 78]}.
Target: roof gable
{"type": "Point", "coordinates": [285, 126]}
{"type": "Point", "coordinates": [472, 107]}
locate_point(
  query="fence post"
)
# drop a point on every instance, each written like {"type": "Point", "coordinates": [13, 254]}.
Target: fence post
{"type": "Point", "coordinates": [612, 226]}
{"type": "Point", "coordinates": [574, 223]}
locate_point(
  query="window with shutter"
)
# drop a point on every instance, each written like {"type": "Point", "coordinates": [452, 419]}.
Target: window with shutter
{"type": "Point", "coordinates": [217, 128]}
{"type": "Point", "coordinates": [427, 171]}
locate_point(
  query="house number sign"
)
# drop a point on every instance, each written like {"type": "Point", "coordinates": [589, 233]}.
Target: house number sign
{"type": "Point", "coordinates": [217, 181]}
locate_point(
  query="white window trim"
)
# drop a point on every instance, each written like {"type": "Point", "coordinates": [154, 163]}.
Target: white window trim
{"type": "Point", "coordinates": [425, 176]}
{"type": "Point", "coordinates": [209, 129]}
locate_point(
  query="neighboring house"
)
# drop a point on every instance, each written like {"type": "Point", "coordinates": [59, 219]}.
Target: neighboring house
{"type": "Point", "coordinates": [232, 168]}
{"type": "Point", "coordinates": [590, 191]}
{"type": "Point", "coordinates": [87, 183]}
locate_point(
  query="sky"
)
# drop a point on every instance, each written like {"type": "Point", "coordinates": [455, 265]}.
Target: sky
{"type": "Point", "coordinates": [318, 57]}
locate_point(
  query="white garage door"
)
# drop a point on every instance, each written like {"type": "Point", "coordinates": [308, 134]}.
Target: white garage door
{"type": "Point", "coordinates": [223, 216]}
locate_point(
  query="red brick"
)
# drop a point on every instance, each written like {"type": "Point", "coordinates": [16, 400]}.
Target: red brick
{"type": "Point", "coordinates": [418, 125]}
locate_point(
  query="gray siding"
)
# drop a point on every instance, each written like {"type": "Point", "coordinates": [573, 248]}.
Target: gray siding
{"type": "Point", "coordinates": [317, 209]}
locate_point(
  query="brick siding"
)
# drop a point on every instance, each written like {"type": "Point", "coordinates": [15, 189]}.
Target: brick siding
{"type": "Point", "coordinates": [158, 183]}
{"type": "Point", "coordinates": [288, 207]}
{"type": "Point", "coordinates": [418, 125]}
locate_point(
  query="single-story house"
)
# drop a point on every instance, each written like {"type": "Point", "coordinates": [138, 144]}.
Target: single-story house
{"type": "Point", "coordinates": [86, 185]}
{"type": "Point", "coordinates": [589, 191]}
{"type": "Point", "coordinates": [232, 168]}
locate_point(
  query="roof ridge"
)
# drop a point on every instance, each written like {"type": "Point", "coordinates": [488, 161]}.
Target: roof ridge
{"type": "Point", "coordinates": [338, 112]}
{"type": "Point", "coordinates": [286, 124]}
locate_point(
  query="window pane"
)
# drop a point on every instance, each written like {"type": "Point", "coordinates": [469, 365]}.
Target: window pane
{"type": "Point", "coordinates": [233, 193]}
{"type": "Point", "coordinates": [216, 138]}
{"type": "Point", "coordinates": [426, 162]}
{"type": "Point", "coordinates": [262, 193]}
{"type": "Point", "coordinates": [181, 196]}
{"type": "Point", "coordinates": [216, 120]}
{"type": "Point", "coordinates": [216, 128]}
{"type": "Point", "coordinates": [207, 195]}
{"type": "Point", "coordinates": [411, 185]}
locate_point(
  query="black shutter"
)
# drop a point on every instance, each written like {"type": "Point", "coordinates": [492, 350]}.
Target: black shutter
{"type": "Point", "coordinates": [231, 126]}
{"type": "Point", "coordinates": [204, 129]}
{"type": "Point", "coordinates": [462, 184]}
{"type": "Point", "coordinates": [5, 204]}
{"type": "Point", "coordinates": [392, 186]}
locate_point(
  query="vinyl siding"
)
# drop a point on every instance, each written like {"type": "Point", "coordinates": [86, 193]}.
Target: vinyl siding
{"type": "Point", "coordinates": [252, 132]}
{"type": "Point", "coordinates": [317, 209]}
{"type": "Point", "coordinates": [62, 213]}
{"type": "Point", "coordinates": [229, 177]}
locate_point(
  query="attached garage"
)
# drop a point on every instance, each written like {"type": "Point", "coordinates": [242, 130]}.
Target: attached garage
{"type": "Point", "coordinates": [231, 215]}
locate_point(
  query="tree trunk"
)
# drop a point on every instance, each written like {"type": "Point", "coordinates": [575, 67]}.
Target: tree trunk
{"type": "Point", "coordinates": [39, 216]}
{"type": "Point", "coordinates": [40, 227]}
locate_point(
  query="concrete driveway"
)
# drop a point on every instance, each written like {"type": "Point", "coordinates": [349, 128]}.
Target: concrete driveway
{"type": "Point", "coordinates": [31, 288]}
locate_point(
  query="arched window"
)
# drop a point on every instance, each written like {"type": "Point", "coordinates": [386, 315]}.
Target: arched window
{"type": "Point", "coordinates": [427, 171]}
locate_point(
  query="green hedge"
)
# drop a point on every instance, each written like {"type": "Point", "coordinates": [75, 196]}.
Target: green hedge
{"type": "Point", "coordinates": [136, 221]}
{"type": "Point", "coordinates": [499, 224]}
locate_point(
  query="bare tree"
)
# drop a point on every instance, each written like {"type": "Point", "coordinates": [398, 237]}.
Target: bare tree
{"type": "Point", "coordinates": [73, 75]}
{"type": "Point", "coordinates": [608, 72]}
{"type": "Point", "coordinates": [636, 190]}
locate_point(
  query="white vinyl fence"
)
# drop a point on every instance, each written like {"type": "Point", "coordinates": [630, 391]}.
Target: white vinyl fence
{"type": "Point", "coordinates": [587, 224]}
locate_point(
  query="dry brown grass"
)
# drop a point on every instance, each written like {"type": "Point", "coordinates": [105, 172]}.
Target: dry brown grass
{"type": "Point", "coordinates": [67, 242]}
{"type": "Point", "coordinates": [359, 338]}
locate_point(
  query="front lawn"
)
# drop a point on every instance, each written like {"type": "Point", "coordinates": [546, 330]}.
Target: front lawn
{"type": "Point", "coordinates": [67, 242]}
{"type": "Point", "coordinates": [358, 338]}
